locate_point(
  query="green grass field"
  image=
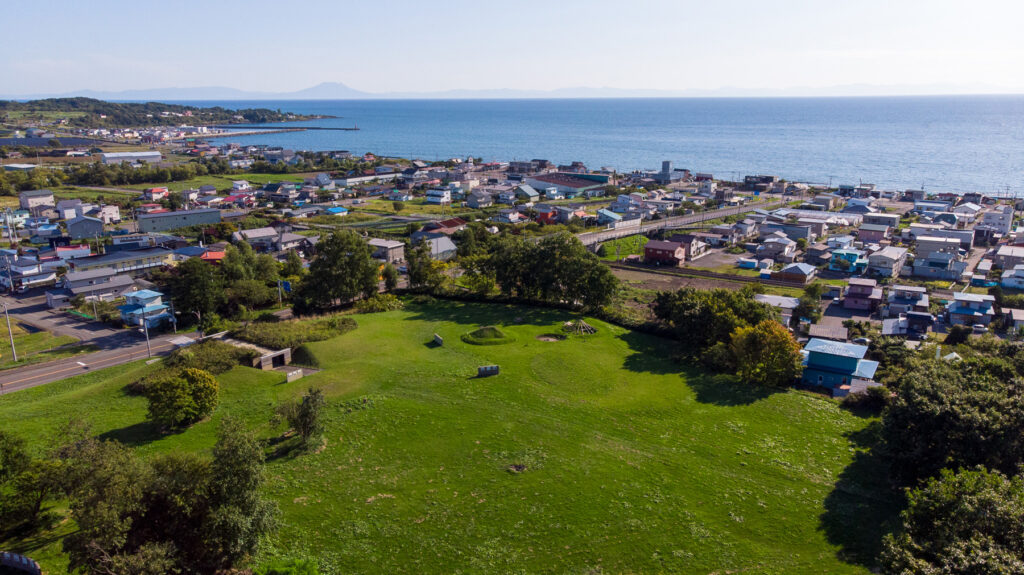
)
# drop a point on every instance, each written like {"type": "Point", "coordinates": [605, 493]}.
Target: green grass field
{"type": "Point", "coordinates": [622, 247]}
{"type": "Point", "coordinates": [34, 346]}
{"type": "Point", "coordinates": [594, 454]}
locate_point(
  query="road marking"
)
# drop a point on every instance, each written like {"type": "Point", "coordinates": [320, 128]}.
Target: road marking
{"type": "Point", "coordinates": [105, 360]}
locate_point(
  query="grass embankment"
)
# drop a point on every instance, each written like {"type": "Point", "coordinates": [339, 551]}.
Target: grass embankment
{"type": "Point", "coordinates": [592, 454]}
{"type": "Point", "coordinates": [36, 346]}
{"type": "Point", "coordinates": [622, 247]}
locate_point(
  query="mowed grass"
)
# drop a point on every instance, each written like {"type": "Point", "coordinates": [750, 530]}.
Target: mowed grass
{"type": "Point", "coordinates": [591, 454]}
{"type": "Point", "coordinates": [34, 346]}
{"type": "Point", "coordinates": [622, 247]}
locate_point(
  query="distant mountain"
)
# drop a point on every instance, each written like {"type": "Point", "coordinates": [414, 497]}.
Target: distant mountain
{"type": "Point", "coordinates": [339, 91]}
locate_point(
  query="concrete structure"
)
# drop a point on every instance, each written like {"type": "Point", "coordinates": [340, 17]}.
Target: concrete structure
{"type": "Point", "coordinates": [1000, 219]}
{"type": "Point", "coordinates": [35, 199]}
{"type": "Point", "coordinates": [179, 219]}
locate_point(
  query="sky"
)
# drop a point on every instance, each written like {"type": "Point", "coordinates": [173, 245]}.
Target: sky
{"type": "Point", "coordinates": [940, 46]}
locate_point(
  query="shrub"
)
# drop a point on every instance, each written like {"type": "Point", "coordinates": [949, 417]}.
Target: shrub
{"type": "Point", "coordinates": [295, 332]}
{"type": "Point", "coordinates": [958, 334]}
{"type": "Point", "coordinates": [380, 303]}
{"type": "Point", "coordinates": [873, 400]}
{"type": "Point", "coordinates": [211, 355]}
{"type": "Point", "coordinates": [183, 398]}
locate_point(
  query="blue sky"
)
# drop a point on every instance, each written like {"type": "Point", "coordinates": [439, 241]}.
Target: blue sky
{"type": "Point", "coordinates": [398, 45]}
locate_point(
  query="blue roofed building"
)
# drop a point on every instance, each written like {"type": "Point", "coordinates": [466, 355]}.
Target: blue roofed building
{"type": "Point", "coordinates": [970, 309]}
{"type": "Point", "coordinates": [848, 260]}
{"type": "Point", "coordinates": [607, 217]}
{"type": "Point", "coordinates": [144, 305]}
{"type": "Point", "coordinates": [837, 366]}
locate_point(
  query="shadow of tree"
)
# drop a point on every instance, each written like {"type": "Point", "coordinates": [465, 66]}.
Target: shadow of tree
{"type": "Point", "coordinates": [137, 434]}
{"type": "Point", "coordinates": [725, 390]}
{"type": "Point", "coordinates": [862, 507]}
{"type": "Point", "coordinates": [652, 354]}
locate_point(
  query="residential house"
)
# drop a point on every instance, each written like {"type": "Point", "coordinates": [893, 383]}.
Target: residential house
{"type": "Point", "coordinates": [1000, 219]}
{"type": "Point", "coordinates": [904, 299]}
{"type": "Point", "coordinates": [144, 307]}
{"type": "Point", "coordinates": [108, 214]}
{"type": "Point", "coordinates": [509, 216]}
{"type": "Point", "coordinates": [873, 233]}
{"type": "Point", "coordinates": [785, 305]}
{"type": "Point", "coordinates": [159, 222]}
{"type": "Point", "coordinates": [35, 198]}
{"type": "Point", "coordinates": [777, 247]}
{"type": "Point", "coordinates": [818, 254]}
{"type": "Point", "coordinates": [1009, 257]}
{"type": "Point", "coordinates": [526, 193]}
{"type": "Point", "coordinates": [390, 251]}
{"type": "Point", "coordinates": [240, 186]}
{"type": "Point", "coordinates": [797, 273]}
{"type": "Point", "coordinates": [970, 309]}
{"type": "Point", "coordinates": [840, 242]}
{"type": "Point", "coordinates": [607, 217]}
{"type": "Point", "coordinates": [664, 253]}
{"type": "Point", "coordinates": [25, 272]}
{"type": "Point", "coordinates": [838, 366]}
{"type": "Point", "coordinates": [828, 201]}
{"type": "Point", "coordinates": [1013, 319]}
{"type": "Point", "coordinates": [1013, 278]}
{"type": "Point", "coordinates": [399, 196]}
{"type": "Point", "coordinates": [863, 294]}
{"type": "Point", "coordinates": [887, 262]}
{"type": "Point", "coordinates": [746, 229]}
{"type": "Point", "coordinates": [848, 260]}
{"type": "Point", "coordinates": [439, 196]}
{"type": "Point", "coordinates": [693, 246]}
{"type": "Point", "coordinates": [883, 219]}
{"type": "Point", "coordinates": [126, 261]}
{"type": "Point", "coordinates": [442, 248]}
{"type": "Point", "coordinates": [479, 200]}
{"type": "Point", "coordinates": [96, 284]}
{"type": "Point", "coordinates": [155, 194]}
{"type": "Point", "coordinates": [84, 227]}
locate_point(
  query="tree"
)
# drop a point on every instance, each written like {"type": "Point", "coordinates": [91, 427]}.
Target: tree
{"type": "Point", "coordinates": [766, 353]}
{"type": "Point", "coordinates": [398, 206]}
{"type": "Point", "coordinates": [801, 243]}
{"type": "Point", "coordinates": [182, 398]}
{"type": "Point", "coordinates": [250, 293]}
{"type": "Point", "coordinates": [341, 271]}
{"type": "Point", "coordinates": [958, 334]}
{"type": "Point", "coordinates": [949, 416]}
{"type": "Point", "coordinates": [14, 456]}
{"type": "Point", "coordinates": [292, 266]}
{"type": "Point", "coordinates": [424, 271]}
{"type": "Point", "coordinates": [303, 415]}
{"type": "Point", "coordinates": [965, 522]}
{"type": "Point", "coordinates": [390, 275]}
{"type": "Point", "coordinates": [702, 318]}
{"type": "Point", "coordinates": [239, 515]}
{"type": "Point", "coordinates": [196, 287]}
{"type": "Point", "coordinates": [809, 305]}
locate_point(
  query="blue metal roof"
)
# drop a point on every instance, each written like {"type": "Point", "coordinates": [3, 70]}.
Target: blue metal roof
{"type": "Point", "coordinates": [144, 294]}
{"type": "Point", "coordinates": [837, 348]}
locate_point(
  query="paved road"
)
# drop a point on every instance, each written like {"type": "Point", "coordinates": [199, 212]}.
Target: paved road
{"type": "Point", "coordinates": [591, 238]}
{"type": "Point", "coordinates": [33, 311]}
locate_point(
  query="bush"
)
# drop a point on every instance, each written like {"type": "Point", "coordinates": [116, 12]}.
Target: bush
{"type": "Point", "coordinates": [379, 303]}
{"type": "Point", "coordinates": [719, 357]}
{"type": "Point", "coordinates": [958, 334]}
{"type": "Point", "coordinates": [295, 332]}
{"type": "Point", "coordinates": [211, 355]}
{"type": "Point", "coordinates": [183, 398]}
{"type": "Point", "coordinates": [873, 400]}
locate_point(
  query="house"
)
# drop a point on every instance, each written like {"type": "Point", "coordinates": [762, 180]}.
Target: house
{"type": "Point", "coordinates": [848, 260]}
{"type": "Point", "coordinates": [508, 216]}
{"type": "Point", "coordinates": [873, 233]}
{"type": "Point", "coordinates": [664, 253]}
{"type": "Point", "coordinates": [605, 217]}
{"type": "Point", "coordinates": [526, 193]}
{"type": "Point", "coordinates": [828, 331]}
{"type": "Point", "coordinates": [35, 198]}
{"type": "Point", "coordinates": [240, 186]}
{"type": "Point", "coordinates": [144, 307]}
{"type": "Point", "coordinates": [1013, 318]}
{"type": "Point", "coordinates": [439, 196]}
{"type": "Point", "coordinates": [887, 262]}
{"type": "Point", "coordinates": [441, 248]}
{"type": "Point", "coordinates": [970, 309]}
{"type": "Point", "coordinates": [1013, 278]}
{"type": "Point", "coordinates": [99, 284]}
{"type": "Point", "coordinates": [126, 261]}
{"type": "Point", "coordinates": [84, 227]}
{"type": "Point", "coordinates": [939, 265]}
{"type": "Point", "coordinates": [572, 185]}
{"type": "Point", "coordinates": [108, 214]}
{"type": "Point", "coordinates": [1009, 257]}
{"type": "Point", "coordinates": [818, 254]}
{"type": "Point", "coordinates": [22, 273]}
{"type": "Point", "coordinates": [777, 247]}
{"type": "Point", "coordinates": [904, 299]}
{"type": "Point", "coordinates": [390, 251]}
{"type": "Point", "coordinates": [155, 194]}
{"type": "Point", "coordinates": [863, 293]}
{"type": "Point", "coordinates": [910, 324]}
{"type": "Point", "coordinates": [399, 196]}
{"type": "Point", "coordinates": [479, 200]}
{"type": "Point", "coordinates": [840, 242]}
{"type": "Point", "coordinates": [828, 201]}
{"type": "Point", "coordinates": [883, 219]}
{"type": "Point", "coordinates": [1000, 219]}
{"type": "Point", "coordinates": [693, 246]}
{"type": "Point", "coordinates": [783, 304]}
{"type": "Point", "coordinates": [838, 366]}
{"type": "Point", "coordinates": [797, 273]}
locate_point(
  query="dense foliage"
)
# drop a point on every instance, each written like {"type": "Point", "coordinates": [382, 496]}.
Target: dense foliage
{"type": "Point", "coordinates": [180, 398]}
{"type": "Point", "coordinates": [961, 523]}
{"type": "Point", "coordinates": [295, 332]}
{"type": "Point", "coordinates": [702, 318]}
{"type": "Point", "coordinates": [341, 271]}
{"type": "Point", "coordinates": [211, 355]}
{"type": "Point", "coordinates": [303, 415]}
{"type": "Point", "coordinates": [766, 353]}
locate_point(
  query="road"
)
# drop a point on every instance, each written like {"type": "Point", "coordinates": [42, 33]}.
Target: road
{"type": "Point", "coordinates": [116, 346]}
{"type": "Point", "coordinates": [592, 238]}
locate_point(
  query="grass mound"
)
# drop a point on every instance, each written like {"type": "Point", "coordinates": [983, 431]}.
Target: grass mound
{"type": "Point", "coordinates": [295, 332]}
{"type": "Point", "coordinates": [487, 335]}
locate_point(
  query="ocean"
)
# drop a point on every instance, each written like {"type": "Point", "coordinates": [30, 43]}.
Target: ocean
{"type": "Point", "coordinates": [943, 143]}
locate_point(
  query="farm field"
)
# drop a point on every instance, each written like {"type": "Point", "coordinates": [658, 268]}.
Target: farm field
{"type": "Point", "coordinates": [585, 454]}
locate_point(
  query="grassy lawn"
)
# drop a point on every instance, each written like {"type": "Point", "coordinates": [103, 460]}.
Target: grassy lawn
{"type": "Point", "coordinates": [731, 270]}
{"type": "Point", "coordinates": [36, 346]}
{"type": "Point", "coordinates": [592, 454]}
{"type": "Point", "coordinates": [631, 245]}
{"type": "Point", "coordinates": [87, 195]}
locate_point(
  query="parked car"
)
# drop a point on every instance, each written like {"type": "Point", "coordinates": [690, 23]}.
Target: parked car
{"type": "Point", "coordinates": [979, 328]}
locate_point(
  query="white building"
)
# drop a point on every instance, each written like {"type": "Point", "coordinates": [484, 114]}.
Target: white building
{"type": "Point", "coordinates": [1000, 219]}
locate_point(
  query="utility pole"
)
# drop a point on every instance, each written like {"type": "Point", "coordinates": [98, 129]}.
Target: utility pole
{"type": "Point", "coordinates": [145, 329]}
{"type": "Point", "coordinates": [14, 352]}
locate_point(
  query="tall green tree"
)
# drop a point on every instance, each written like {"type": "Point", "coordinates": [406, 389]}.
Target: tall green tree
{"type": "Point", "coordinates": [182, 398]}
{"type": "Point", "coordinates": [341, 271]}
{"type": "Point", "coordinates": [960, 523]}
{"type": "Point", "coordinates": [766, 354]}
{"type": "Point", "coordinates": [196, 287]}
{"type": "Point", "coordinates": [304, 415]}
